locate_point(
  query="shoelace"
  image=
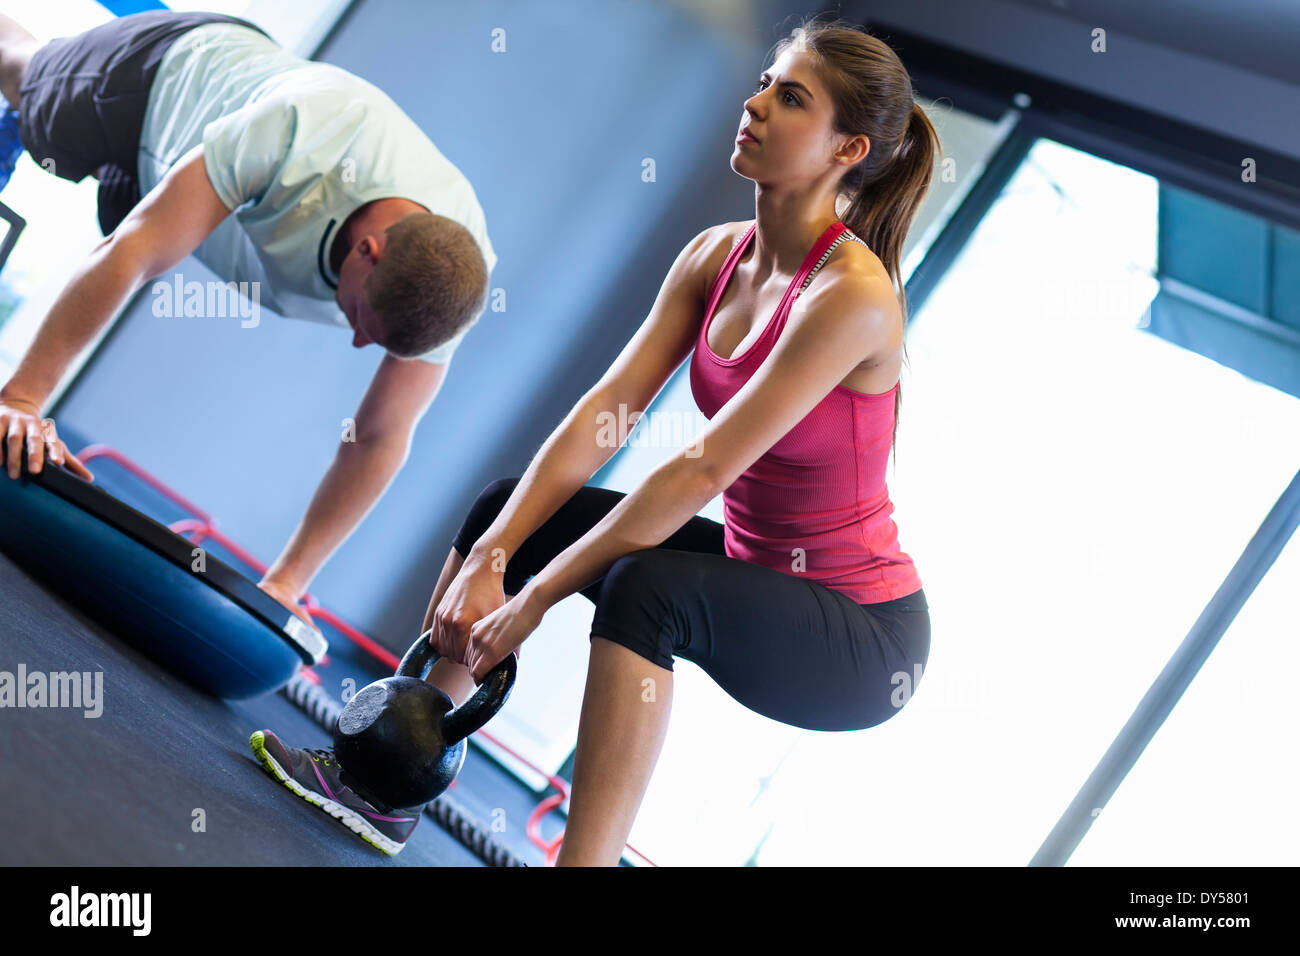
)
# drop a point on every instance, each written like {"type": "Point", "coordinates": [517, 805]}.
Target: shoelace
{"type": "Point", "coordinates": [328, 758]}
{"type": "Point", "coordinates": [325, 756]}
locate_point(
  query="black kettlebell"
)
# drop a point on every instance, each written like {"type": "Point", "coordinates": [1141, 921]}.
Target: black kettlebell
{"type": "Point", "coordinates": [400, 738]}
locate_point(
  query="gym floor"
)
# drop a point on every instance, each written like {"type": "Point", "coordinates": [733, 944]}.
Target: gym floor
{"type": "Point", "coordinates": [123, 788]}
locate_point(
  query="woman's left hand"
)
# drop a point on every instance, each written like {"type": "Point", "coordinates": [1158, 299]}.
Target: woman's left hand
{"type": "Point", "coordinates": [492, 637]}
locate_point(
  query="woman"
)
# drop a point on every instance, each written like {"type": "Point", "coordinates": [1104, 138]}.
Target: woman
{"type": "Point", "coordinates": [801, 606]}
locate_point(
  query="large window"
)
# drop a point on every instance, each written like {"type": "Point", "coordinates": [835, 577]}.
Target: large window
{"type": "Point", "coordinates": [1078, 488]}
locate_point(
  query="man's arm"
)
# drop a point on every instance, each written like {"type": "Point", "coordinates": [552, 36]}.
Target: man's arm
{"type": "Point", "coordinates": [397, 398]}
{"type": "Point", "coordinates": [163, 228]}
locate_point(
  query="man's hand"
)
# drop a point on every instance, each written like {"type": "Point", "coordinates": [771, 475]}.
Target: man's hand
{"type": "Point", "coordinates": [288, 597]}
{"type": "Point", "coordinates": [20, 422]}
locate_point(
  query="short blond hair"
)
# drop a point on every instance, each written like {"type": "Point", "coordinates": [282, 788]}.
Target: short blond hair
{"type": "Point", "coordinates": [428, 285]}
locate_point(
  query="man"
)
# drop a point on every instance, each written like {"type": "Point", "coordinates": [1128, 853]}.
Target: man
{"type": "Point", "coordinates": [274, 170]}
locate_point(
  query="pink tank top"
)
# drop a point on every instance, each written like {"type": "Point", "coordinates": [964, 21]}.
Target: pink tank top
{"type": "Point", "coordinates": [815, 505]}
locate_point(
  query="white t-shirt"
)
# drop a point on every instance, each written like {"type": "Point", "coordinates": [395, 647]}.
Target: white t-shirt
{"type": "Point", "coordinates": [293, 147]}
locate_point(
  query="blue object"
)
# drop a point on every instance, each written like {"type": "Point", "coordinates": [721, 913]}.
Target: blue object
{"type": "Point", "coordinates": [11, 144]}
{"type": "Point", "coordinates": [124, 8]}
{"type": "Point", "coordinates": [213, 627]}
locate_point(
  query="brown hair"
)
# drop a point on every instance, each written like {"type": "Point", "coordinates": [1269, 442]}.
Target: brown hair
{"type": "Point", "coordinates": [872, 94]}
{"type": "Point", "coordinates": [429, 283]}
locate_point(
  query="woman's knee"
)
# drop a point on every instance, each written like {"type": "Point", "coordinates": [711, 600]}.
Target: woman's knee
{"type": "Point", "coordinates": [483, 512]}
{"type": "Point", "coordinates": [642, 573]}
{"type": "Point", "coordinates": [636, 607]}
{"type": "Point", "coordinates": [495, 495]}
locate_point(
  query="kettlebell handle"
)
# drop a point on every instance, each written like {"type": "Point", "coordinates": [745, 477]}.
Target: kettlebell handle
{"type": "Point", "coordinates": [489, 698]}
{"type": "Point", "coordinates": [419, 660]}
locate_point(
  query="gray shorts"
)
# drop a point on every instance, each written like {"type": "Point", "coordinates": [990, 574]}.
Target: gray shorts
{"type": "Point", "coordinates": [83, 99]}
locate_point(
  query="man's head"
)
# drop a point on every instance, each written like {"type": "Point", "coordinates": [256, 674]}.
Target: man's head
{"type": "Point", "coordinates": [410, 287]}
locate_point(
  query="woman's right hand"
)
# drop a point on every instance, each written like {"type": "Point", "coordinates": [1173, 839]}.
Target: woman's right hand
{"type": "Point", "coordinates": [21, 423]}
{"type": "Point", "coordinates": [473, 594]}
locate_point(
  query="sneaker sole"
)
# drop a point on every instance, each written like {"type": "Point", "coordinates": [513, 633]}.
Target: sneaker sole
{"type": "Point", "coordinates": [348, 818]}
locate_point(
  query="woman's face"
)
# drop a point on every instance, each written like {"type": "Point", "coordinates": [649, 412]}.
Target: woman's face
{"type": "Point", "coordinates": [790, 115]}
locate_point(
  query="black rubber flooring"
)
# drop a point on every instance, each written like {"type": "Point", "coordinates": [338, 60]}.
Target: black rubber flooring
{"type": "Point", "coordinates": [123, 788]}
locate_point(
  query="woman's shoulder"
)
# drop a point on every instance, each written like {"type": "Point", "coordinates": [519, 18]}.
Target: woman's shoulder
{"type": "Point", "coordinates": [701, 260]}
{"type": "Point", "coordinates": [718, 241]}
{"type": "Point", "coordinates": [733, 232]}
{"type": "Point", "coordinates": [852, 273]}
{"type": "Point", "coordinates": [853, 261]}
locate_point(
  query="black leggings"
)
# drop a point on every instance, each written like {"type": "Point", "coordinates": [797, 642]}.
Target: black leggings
{"type": "Point", "coordinates": [785, 647]}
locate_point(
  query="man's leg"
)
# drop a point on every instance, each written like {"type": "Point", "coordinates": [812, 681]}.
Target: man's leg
{"type": "Point", "coordinates": [16, 49]}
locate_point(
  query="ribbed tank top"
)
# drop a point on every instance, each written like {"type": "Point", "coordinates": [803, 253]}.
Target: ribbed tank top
{"type": "Point", "coordinates": [815, 505]}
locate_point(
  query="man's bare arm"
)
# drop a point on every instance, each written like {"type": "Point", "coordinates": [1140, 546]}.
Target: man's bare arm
{"type": "Point", "coordinates": [165, 227]}
{"type": "Point", "coordinates": [369, 456]}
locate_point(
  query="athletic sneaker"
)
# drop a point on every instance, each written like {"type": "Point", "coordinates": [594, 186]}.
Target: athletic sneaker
{"type": "Point", "coordinates": [11, 144]}
{"type": "Point", "coordinates": [315, 775]}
